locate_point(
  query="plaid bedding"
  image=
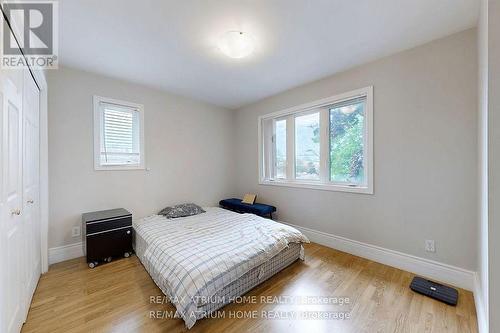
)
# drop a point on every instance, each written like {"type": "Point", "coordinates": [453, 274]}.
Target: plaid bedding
{"type": "Point", "coordinates": [197, 256]}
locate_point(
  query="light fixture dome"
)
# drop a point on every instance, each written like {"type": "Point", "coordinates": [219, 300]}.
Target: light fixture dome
{"type": "Point", "coordinates": [236, 44]}
{"type": "Point", "coordinates": [347, 110]}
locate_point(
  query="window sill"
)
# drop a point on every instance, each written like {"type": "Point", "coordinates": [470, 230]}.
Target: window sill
{"type": "Point", "coordinates": [318, 186]}
{"type": "Point", "coordinates": [119, 168]}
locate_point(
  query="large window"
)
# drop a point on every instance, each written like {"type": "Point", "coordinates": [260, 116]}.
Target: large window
{"type": "Point", "coordinates": [118, 135]}
{"type": "Point", "coordinates": [326, 144]}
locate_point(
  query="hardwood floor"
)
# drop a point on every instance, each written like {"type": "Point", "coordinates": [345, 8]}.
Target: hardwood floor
{"type": "Point", "coordinates": [116, 298]}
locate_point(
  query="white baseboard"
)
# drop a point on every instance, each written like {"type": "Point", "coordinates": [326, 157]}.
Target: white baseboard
{"type": "Point", "coordinates": [431, 269]}
{"type": "Point", "coordinates": [482, 319]}
{"type": "Point", "coordinates": [66, 252]}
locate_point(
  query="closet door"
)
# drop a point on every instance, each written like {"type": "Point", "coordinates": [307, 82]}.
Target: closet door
{"type": "Point", "coordinates": [12, 231]}
{"type": "Point", "coordinates": [31, 216]}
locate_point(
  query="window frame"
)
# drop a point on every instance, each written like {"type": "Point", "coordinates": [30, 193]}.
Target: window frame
{"type": "Point", "coordinates": [324, 183]}
{"type": "Point", "coordinates": [97, 100]}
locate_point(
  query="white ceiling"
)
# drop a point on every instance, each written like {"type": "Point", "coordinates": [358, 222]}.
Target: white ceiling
{"type": "Point", "coordinates": [171, 45]}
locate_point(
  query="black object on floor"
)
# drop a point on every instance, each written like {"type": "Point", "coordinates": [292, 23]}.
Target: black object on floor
{"type": "Point", "coordinates": [434, 290]}
{"type": "Point", "coordinates": [106, 234]}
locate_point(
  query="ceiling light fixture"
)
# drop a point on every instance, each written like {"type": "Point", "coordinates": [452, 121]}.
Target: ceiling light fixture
{"type": "Point", "coordinates": [347, 110]}
{"type": "Point", "coordinates": [236, 44]}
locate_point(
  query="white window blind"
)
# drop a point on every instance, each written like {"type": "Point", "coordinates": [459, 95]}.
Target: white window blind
{"type": "Point", "coordinates": [120, 135]}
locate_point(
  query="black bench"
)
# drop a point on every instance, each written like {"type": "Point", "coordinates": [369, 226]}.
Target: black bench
{"type": "Point", "coordinates": [257, 208]}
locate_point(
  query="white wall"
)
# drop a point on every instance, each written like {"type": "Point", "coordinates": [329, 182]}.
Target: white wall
{"type": "Point", "coordinates": [494, 163]}
{"type": "Point", "coordinates": [425, 127]}
{"type": "Point", "coordinates": [188, 148]}
{"type": "Point", "coordinates": [481, 292]}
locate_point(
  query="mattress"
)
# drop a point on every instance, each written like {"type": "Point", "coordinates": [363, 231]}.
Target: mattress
{"type": "Point", "coordinates": [202, 262]}
{"type": "Point", "coordinates": [253, 278]}
{"type": "Point", "coordinates": [239, 287]}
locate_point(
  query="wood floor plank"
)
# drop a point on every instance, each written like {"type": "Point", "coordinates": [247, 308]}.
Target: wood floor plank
{"type": "Point", "coordinates": [116, 298]}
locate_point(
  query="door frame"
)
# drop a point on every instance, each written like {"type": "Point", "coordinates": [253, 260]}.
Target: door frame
{"type": "Point", "coordinates": [40, 79]}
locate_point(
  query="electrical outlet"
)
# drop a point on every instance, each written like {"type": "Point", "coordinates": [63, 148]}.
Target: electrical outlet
{"type": "Point", "coordinates": [430, 245]}
{"type": "Point", "coordinates": [75, 232]}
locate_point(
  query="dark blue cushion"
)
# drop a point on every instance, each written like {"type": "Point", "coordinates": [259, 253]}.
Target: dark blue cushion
{"type": "Point", "coordinates": [256, 208]}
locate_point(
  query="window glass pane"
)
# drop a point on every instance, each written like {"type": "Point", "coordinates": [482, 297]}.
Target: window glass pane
{"type": "Point", "coordinates": [347, 121]}
{"type": "Point", "coordinates": [268, 149]}
{"type": "Point", "coordinates": [280, 141]}
{"type": "Point", "coordinates": [307, 146]}
{"type": "Point", "coordinates": [120, 136]}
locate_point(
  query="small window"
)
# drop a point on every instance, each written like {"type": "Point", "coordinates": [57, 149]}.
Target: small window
{"type": "Point", "coordinates": [329, 143]}
{"type": "Point", "coordinates": [118, 135]}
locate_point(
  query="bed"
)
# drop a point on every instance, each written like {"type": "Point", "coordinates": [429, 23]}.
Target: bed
{"type": "Point", "coordinates": [203, 262]}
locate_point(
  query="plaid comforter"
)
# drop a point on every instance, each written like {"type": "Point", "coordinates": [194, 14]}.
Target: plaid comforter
{"type": "Point", "coordinates": [197, 256]}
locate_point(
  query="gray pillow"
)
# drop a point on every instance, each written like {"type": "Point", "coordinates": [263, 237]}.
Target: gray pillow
{"type": "Point", "coordinates": [186, 209]}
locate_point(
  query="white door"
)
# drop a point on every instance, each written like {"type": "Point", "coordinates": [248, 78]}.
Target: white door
{"type": "Point", "coordinates": [30, 211]}
{"type": "Point", "coordinates": [12, 231]}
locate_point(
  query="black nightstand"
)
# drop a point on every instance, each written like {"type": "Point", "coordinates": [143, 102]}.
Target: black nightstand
{"type": "Point", "coordinates": [107, 234]}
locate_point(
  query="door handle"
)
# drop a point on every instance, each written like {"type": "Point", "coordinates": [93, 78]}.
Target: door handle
{"type": "Point", "coordinates": [15, 212]}
{"type": "Point", "coordinates": [30, 201]}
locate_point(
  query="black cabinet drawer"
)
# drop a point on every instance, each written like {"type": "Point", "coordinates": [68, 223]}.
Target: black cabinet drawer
{"type": "Point", "coordinates": [109, 243]}
{"type": "Point", "coordinates": [108, 224]}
